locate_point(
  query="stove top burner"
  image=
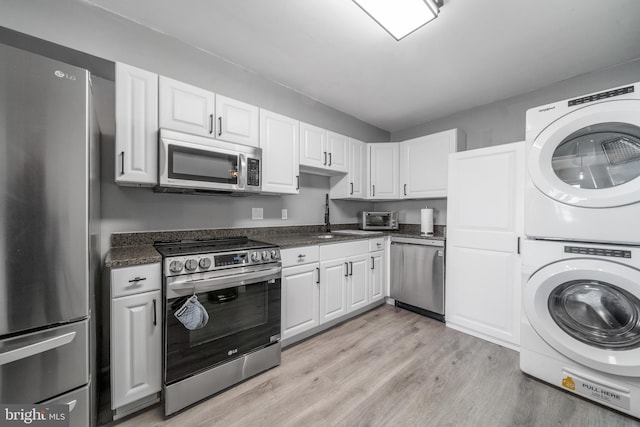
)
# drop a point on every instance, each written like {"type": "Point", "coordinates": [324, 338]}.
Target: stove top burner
{"type": "Point", "coordinates": [191, 247]}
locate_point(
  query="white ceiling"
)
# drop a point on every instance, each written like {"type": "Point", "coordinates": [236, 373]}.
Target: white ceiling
{"type": "Point", "coordinates": [474, 53]}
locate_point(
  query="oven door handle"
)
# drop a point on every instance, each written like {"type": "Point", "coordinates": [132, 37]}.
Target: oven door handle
{"type": "Point", "coordinates": [186, 287]}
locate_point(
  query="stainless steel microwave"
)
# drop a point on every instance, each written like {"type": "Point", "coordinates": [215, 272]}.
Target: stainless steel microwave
{"type": "Point", "coordinates": [194, 164]}
{"type": "Point", "coordinates": [378, 220]}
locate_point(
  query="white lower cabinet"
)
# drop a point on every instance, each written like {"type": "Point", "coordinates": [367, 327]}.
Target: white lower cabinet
{"type": "Point", "coordinates": [333, 289]}
{"type": "Point", "coordinates": [323, 284]}
{"type": "Point", "coordinates": [300, 299]}
{"type": "Point", "coordinates": [357, 286]}
{"type": "Point", "coordinates": [376, 276]}
{"type": "Point", "coordinates": [136, 336]}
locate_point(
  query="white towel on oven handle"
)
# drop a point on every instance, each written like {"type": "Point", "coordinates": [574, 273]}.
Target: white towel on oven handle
{"type": "Point", "coordinates": [192, 314]}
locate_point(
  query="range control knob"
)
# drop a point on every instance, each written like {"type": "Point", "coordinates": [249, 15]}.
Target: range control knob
{"type": "Point", "coordinates": [205, 263]}
{"type": "Point", "coordinates": [266, 255]}
{"type": "Point", "coordinates": [191, 264]}
{"type": "Point", "coordinates": [175, 266]}
{"type": "Point", "coordinates": [255, 257]}
{"type": "Point", "coordinates": [275, 254]}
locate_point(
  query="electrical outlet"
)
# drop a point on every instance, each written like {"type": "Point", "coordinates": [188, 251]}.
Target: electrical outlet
{"type": "Point", "coordinates": [256, 213]}
{"type": "Point", "coordinates": [284, 214]}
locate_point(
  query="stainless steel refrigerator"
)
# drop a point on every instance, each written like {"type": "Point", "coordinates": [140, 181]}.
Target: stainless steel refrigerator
{"type": "Point", "coordinates": [49, 233]}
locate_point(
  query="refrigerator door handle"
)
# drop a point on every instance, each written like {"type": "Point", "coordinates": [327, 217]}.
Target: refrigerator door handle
{"type": "Point", "coordinates": [36, 347]}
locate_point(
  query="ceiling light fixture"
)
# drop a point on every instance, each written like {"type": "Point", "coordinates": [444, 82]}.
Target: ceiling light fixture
{"type": "Point", "coordinates": [400, 17]}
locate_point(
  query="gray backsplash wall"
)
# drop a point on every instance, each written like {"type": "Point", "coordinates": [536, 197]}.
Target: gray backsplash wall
{"type": "Point", "coordinates": [409, 210]}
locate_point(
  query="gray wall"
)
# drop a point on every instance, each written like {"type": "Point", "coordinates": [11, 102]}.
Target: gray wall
{"type": "Point", "coordinates": [503, 122]}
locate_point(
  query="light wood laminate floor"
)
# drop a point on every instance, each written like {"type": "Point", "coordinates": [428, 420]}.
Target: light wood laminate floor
{"type": "Point", "coordinates": [391, 367]}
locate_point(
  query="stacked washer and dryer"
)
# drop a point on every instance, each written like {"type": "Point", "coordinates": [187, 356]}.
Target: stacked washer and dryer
{"type": "Point", "coordinates": [580, 326]}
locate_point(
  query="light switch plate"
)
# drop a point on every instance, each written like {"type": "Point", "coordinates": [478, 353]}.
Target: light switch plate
{"type": "Point", "coordinates": [256, 213]}
{"type": "Point", "coordinates": [284, 214]}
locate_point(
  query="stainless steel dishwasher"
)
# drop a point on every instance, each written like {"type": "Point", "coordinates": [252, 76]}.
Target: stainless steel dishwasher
{"type": "Point", "coordinates": [417, 275]}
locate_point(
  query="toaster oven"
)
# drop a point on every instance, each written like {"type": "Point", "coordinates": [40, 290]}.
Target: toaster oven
{"type": "Point", "coordinates": [378, 220]}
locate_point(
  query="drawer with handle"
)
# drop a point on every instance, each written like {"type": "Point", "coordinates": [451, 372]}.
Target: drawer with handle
{"type": "Point", "coordinates": [135, 279]}
{"type": "Point", "coordinates": [299, 256]}
{"type": "Point", "coordinates": [376, 244]}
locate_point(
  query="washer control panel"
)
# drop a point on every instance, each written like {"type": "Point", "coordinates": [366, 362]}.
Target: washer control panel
{"type": "Point", "coordinates": [581, 250]}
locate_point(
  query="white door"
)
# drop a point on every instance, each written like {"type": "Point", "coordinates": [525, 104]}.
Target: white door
{"type": "Point", "coordinates": [279, 140]}
{"type": "Point", "coordinates": [300, 299]}
{"type": "Point", "coordinates": [186, 108]}
{"type": "Point", "coordinates": [591, 157]}
{"type": "Point", "coordinates": [589, 311]}
{"type": "Point", "coordinates": [484, 228]}
{"type": "Point", "coordinates": [358, 282]}
{"type": "Point", "coordinates": [384, 165]}
{"type": "Point", "coordinates": [376, 275]}
{"type": "Point", "coordinates": [137, 130]}
{"type": "Point", "coordinates": [313, 146]}
{"type": "Point", "coordinates": [136, 350]}
{"type": "Point", "coordinates": [237, 121]}
{"type": "Point", "coordinates": [333, 289]}
{"type": "Point", "coordinates": [338, 148]}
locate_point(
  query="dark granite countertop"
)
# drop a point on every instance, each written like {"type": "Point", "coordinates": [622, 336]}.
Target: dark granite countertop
{"type": "Point", "coordinates": [129, 249]}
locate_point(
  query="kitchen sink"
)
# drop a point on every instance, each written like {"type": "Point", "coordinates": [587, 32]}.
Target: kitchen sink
{"type": "Point", "coordinates": [325, 236]}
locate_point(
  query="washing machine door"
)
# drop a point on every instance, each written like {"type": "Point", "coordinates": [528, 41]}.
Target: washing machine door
{"type": "Point", "coordinates": [589, 311]}
{"type": "Point", "coordinates": [590, 157]}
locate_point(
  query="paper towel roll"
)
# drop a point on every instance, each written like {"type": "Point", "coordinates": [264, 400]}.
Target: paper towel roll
{"type": "Point", "coordinates": [426, 222]}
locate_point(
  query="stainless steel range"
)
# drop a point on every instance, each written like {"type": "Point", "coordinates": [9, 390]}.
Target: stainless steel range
{"type": "Point", "coordinates": [222, 315]}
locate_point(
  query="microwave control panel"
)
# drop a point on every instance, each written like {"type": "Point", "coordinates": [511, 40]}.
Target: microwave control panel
{"type": "Point", "coordinates": [253, 172]}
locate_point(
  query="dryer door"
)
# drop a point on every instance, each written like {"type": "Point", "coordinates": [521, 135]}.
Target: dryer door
{"type": "Point", "coordinates": [589, 311]}
{"type": "Point", "coordinates": [590, 157]}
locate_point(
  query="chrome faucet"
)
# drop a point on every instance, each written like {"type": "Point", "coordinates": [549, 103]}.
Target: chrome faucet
{"type": "Point", "coordinates": [327, 224]}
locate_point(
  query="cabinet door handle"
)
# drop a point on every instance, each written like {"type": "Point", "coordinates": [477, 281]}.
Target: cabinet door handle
{"type": "Point", "coordinates": [351, 265]}
{"type": "Point", "coordinates": [351, 187]}
{"type": "Point", "coordinates": [329, 159]}
{"type": "Point", "coordinates": [373, 263]}
{"type": "Point", "coordinates": [298, 182]}
{"type": "Point", "coordinates": [210, 123]}
{"type": "Point", "coordinates": [122, 163]}
{"type": "Point", "coordinates": [155, 316]}
{"type": "Point", "coordinates": [318, 281]}
{"type": "Point", "coordinates": [374, 190]}
{"type": "Point", "coordinates": [220, 126]}
{"type": "Point", "coordinates": [405, 189]}
{"type": "Point", "coordinates": [346, 264]}
{"type": "Point", "coordinates": [518, 245]}
{"type": "Point", "coordinates": [137, 279]}
{"type": "Point", "coordinates": [325, 158]}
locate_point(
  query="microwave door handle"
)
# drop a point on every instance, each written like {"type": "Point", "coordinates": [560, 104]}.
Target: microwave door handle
{"type": "Point", "coordinates": [242, 166]}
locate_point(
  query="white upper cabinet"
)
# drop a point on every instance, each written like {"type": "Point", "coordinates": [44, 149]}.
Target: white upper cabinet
{"type": "Point", "coordinates": [352, 185]}
{"type": "Point", "coordinates": [186, 108]}
{"type": "Point", "coordinates": [338, 152]}
{"type": "Point", "coordinates": [323, 152]}
{"type": "Point", "coordinates": [383, 171]}
{"type": "Point", "coordinates": [280, 143]}
{"type": "Point", "coordinates": [424, 164]}
{"type": "Point", "coordinates": [237, 121]}
{"type": "Point", "coordinates": [137, 126]}
{"type": "Point", "coordinates": [313, 142]}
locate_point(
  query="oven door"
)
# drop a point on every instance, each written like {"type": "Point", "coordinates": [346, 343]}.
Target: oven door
{"type": "Point", "coordinates": [244, 315]}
